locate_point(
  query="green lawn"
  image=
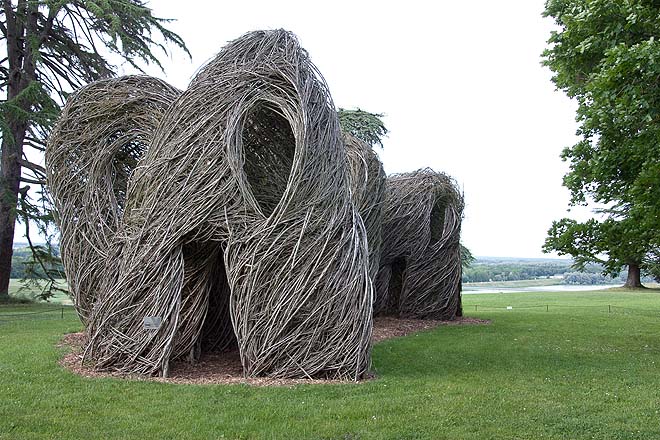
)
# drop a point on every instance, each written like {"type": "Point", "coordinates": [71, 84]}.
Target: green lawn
{"type": "Point", "coordinates": [517, 283]}
{"type": "Point", "coordinates": [572, 372]}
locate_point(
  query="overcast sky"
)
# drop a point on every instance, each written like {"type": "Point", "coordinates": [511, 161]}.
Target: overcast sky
{"type": "Point", "coordinates": [460, 84]}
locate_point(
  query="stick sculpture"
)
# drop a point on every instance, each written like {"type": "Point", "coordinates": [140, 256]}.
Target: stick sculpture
{"type": "Point", "coordinates": [223, 214]}
{"type": "Point", "coordinates": [102, 133]}
{"type": "Point", "coordinates": [420, 266]}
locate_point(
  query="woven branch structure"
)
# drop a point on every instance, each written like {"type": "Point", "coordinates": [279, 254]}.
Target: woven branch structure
{"type": "Point", "coordinates": [420, 263]}
{"type": "Point", "coordinates": [227, 211]}
{"type": "Point", "coordinates": [367, 180]}
{"type": "Point", "coordinates": [102, 134]}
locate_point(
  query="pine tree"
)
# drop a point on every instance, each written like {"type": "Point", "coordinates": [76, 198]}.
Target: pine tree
{"type": "Point", "coordinates": [53, 48]}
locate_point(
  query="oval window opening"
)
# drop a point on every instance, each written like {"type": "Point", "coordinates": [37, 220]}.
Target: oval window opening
{"type": "Point", "coordinates": [121, 167]}
{"type": "Point", "coordinates": [269, 147]}
{"type": "Point", "coordinates": [437, 221]}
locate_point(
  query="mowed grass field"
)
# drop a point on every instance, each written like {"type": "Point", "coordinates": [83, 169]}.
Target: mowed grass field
{"type": "Point", "coordinates": [19, 291]}
{"type": "Point", "coordinates": [568, 371]}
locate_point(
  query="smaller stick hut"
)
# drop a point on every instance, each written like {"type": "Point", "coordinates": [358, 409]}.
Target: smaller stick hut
{"type": "Point", "coordinates": [420, 264]}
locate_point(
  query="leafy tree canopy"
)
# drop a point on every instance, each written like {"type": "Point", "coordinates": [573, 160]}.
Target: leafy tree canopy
{"type": "Point", "coordinates": [52, 48]}
{"type": "Point", "coordinates": [606, 56]}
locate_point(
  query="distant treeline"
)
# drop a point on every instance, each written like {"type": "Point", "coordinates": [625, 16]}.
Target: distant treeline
{"type": "Point", "coordinates": [492, 269]}
{"type": "Point", "coordinates": [24, 266]}
{"type": "Point", "coordinates": [481, 270]}
{"type": "Point", "coordinates": [591, 278]}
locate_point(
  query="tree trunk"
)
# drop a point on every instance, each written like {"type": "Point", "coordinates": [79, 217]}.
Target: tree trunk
{"type": "Point", "coordinates": [634, 277]}
{"type": "Point", "coordinates": [21, 72]}
{"type": "Point", "coordinates": [9, 185]}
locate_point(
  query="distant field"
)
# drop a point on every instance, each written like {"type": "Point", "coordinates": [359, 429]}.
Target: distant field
{"type": "Point", "coordinates": [17, 290]}
{"type": "Point", "coordinates": [570, 365]}
{"type": "Point", "coordinates": [594, 302]}
{"type": "Point", "coordinates": [517, 283]}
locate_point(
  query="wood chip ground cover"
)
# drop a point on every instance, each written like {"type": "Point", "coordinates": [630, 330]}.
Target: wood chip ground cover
{"type": "Point", "coordinates": [225, 368]}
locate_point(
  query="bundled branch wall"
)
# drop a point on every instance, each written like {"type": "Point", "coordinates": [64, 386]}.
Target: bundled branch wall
{"type": "Point", "coordinates": [368, 190]}
{"type": "Point", "coordinates": [237, 223]}
{"type": "Point", "coordinates": [101, 135]}
{"type": "Point", "coordinates": [420, 266]}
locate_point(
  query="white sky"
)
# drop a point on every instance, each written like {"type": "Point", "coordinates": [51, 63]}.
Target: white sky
{"type": "Point", "coordinates": [460, 84]}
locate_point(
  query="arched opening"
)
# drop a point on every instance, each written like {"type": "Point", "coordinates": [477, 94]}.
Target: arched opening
{"type": "Point", "coordinates": [205, 302]}
{"type": "Point", "coordinates": [123, 162]}
{"type": "Point", "coordinates": [395, 285]}
{"type": "Point", "coordinates": [269, 147]}
{"type": "Point", "coordinates": [217, 331]}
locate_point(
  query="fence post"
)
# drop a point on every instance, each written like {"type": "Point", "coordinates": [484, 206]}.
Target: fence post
{"type": "Point", "coordinates": [475, 307]}
{"type": "Point", "coordinates": [609, 309]}
{"type": "Point", "coordinates": [547, 307]}
{"type": "Point", "coordinates": [62, 312]}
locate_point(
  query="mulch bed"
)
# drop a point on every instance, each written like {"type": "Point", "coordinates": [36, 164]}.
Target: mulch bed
{"type": "Point", "coordinates": [225, 368]}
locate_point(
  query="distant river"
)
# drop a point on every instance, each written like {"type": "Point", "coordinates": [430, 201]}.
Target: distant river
{"type": "Point", "coordinates": [474, 290]}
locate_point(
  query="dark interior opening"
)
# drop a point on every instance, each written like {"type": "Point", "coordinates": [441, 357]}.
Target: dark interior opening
{"type": "Point", "coordinates": [217, 332]}
{"type": "Point", "coordinates": [395, 285]}
{"type": "Point", "coordinates": [205, 275]}
{"type": "Point", "coordinates": [123, 162]}
{"type": "Point", "coordinates": [437, 223]}
{"type": "Point", "coordinates": [269, 147]}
